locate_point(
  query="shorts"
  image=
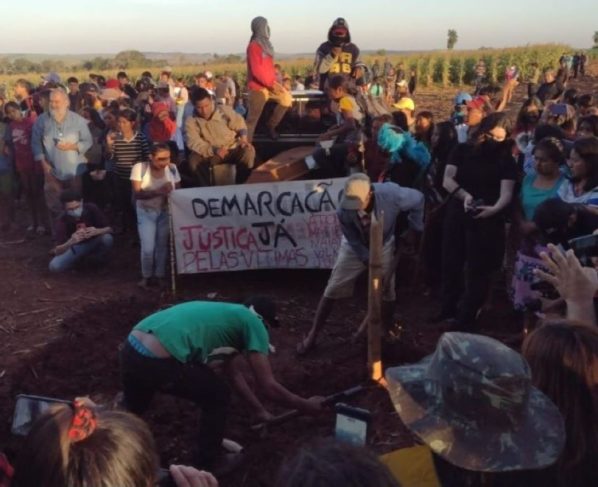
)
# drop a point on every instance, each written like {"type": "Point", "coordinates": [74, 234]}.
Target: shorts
{"type": "Point", "coordinates": [348, 268]}
{"type": "Point", "coordinates": [6, 183]}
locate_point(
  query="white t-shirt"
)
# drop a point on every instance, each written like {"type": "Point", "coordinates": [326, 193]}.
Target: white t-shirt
{"type": "Point", "coordinates": [142, 172]}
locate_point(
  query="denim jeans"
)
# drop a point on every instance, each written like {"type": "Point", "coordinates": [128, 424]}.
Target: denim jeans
{"type": "Point", "coordinates": [96, 248]}
{"type": "Point", "coordinates": [153, 227]}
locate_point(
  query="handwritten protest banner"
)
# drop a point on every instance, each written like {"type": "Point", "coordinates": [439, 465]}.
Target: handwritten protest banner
{"type": "Point", "coordinates": [287, 225]}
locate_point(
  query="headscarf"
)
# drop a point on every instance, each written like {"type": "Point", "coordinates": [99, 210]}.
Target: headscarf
{"type": "Point", "coordinates": [261, 34]}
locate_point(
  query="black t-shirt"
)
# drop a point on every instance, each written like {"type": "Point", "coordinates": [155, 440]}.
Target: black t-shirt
{"type": "Point", "coordinates": [549, 91]}
{"type": "Point", "coordinates": [481, 168]}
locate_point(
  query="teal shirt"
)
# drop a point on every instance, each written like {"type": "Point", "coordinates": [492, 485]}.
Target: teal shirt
{"type": "Point", "coordinates": [532, 197]}
{"type": "Point", "coordinates": [203, 330]}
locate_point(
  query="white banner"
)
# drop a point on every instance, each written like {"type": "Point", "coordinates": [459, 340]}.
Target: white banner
{"type": "Point", "coordinates": [288, 225]}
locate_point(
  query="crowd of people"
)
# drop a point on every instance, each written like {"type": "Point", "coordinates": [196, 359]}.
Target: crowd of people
{"type": "Point", "coordinates": [478, 195]}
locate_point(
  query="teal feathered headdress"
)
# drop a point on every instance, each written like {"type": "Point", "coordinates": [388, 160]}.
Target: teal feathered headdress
{"type": "Point", "coordinates": [402, 145]}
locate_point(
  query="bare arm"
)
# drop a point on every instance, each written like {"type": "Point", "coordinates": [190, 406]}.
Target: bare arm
{"type": "Point", "coordinates": [273, 389]}
{"type": "Point", "coordinates": [452, 186]}
{"type": "Point", "coordinates": [234, 369]}
{"type": "Point", "coordinates": [506, 195]}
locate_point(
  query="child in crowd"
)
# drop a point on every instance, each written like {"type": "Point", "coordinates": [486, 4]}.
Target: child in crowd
{"type": "Point", "coordinates": [6, 179]}
{"type": "Point", "coordinates": [31, 175]}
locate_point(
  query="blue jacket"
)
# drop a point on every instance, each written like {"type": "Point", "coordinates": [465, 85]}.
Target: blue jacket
{"type": "Point", "coordinates": [391, 199]}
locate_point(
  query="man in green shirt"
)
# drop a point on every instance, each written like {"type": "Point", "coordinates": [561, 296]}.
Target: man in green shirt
{"type": "Point", "coordinates": [177, 350]}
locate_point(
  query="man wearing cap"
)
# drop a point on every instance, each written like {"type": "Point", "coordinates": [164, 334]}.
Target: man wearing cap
{"type": "Point", "coordinates": [216, 135]}
{"type": "Point", "coordinates": [361, 202]}
{"type": "Point", "coordinates": [177, 350]}
{"type": "Point", "coordinates": [406, 106]}
{"type": "Point", "coordinates": [337, 55]}
{"type": "Point", "coordinates": [60, 139]}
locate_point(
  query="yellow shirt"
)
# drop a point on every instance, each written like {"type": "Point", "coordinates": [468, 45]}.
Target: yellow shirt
{"type": "Point", "coordinates": [412, 467]}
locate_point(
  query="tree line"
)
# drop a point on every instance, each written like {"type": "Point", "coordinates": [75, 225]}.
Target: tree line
{"type": "Point", "coordinates": [123, 60]}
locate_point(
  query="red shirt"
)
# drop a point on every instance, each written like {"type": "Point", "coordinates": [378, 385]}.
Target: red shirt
{"type": "Point", "coordinates": [19, 138]}
{"type": "Point", "coordinates": [260, 68]}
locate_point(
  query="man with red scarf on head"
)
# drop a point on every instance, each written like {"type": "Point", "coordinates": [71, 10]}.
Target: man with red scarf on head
{"type": "Point", "coordinates": [338, 55]}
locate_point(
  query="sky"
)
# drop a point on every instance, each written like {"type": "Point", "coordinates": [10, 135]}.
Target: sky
{"type": "Point", "coordinates": [223, 26]}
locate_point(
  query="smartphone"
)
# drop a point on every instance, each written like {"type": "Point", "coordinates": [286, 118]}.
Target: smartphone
{"type": "Point", "coordinates": [165, 479]}
{"type": "Point", "coordinates": [585, 247]}
{"type": "Point", "coordinates": [558, 109]}
{"type": "Point", "coordinates": [473, 209]}
{"type": "Point", "coordinates": [352, 424]}
{"type": "Point", "coordinates": [28, 409]}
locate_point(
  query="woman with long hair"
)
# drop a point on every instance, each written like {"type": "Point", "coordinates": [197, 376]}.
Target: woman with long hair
{"type": "Point", "coordinates": [582, 186]}
{"type": "Point", "coordinates": [537, 187]}
{"type": "Point", "coordinates": [563, 357]}
{"type": "Point", "coordinates": [152, 182]}
{"type": "Point", "coordinates": [443, 140]}
{"type": "Point", "coordinates": [480, 177]}
{"type": "Point", "coordinates": [80, 445]}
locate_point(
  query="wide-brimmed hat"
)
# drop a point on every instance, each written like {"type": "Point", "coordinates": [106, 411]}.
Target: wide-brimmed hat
{"type": "Point", "coordinates": [473, 404]}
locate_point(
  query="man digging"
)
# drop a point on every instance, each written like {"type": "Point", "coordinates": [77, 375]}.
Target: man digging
{"type": "Point", "coordinates": [361, 200]}
{"type": "Point", "coordinates": [178, 350]}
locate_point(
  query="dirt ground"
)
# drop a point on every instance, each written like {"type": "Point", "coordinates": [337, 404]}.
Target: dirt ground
{"type": "Point", "coordinates": [59, 337]}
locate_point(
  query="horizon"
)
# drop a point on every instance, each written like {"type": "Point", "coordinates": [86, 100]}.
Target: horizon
{"type": "Point", "coordinates": [170, 26]}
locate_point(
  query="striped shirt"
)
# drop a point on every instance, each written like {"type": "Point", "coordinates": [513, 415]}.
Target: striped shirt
{"type": "Point", "coordinates": [127, 153]}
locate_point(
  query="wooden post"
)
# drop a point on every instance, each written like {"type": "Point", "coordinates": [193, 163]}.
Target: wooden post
{"type": "Point", "coordinates": [375, 299]}
{"type": "Point", "coordinates": [172, 255]}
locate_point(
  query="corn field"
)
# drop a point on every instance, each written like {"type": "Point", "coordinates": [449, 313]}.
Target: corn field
{"type": "Point", "coordinates": [437, 68]}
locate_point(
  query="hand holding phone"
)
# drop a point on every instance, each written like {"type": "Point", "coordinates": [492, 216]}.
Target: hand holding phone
{"type": "Point", "coordinates": [28, 409]}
